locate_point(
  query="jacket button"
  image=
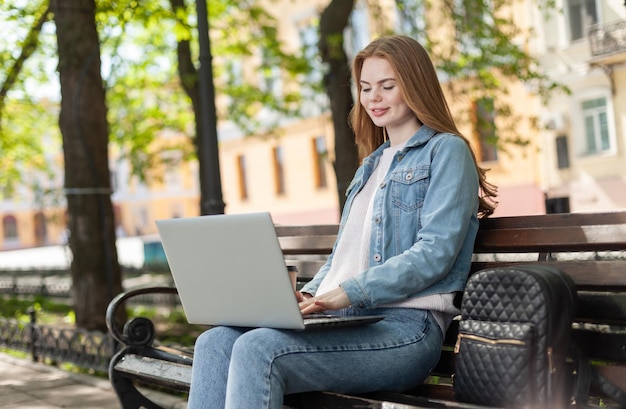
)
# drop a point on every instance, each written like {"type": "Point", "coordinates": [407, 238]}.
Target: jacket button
{"type": "Point", "coordinates": [377, 257]}
{"type": "Point", "coordinates": [382, 185]}
{"type": "Point", "coordinates": [377, 220]}
{"type": "Point", "coordinates": [409, 176]}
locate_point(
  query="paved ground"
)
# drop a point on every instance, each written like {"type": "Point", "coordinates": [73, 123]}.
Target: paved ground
{"type": "Point", "coordinates": [25, 384]}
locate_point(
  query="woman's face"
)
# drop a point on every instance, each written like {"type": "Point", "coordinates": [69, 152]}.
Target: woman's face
{"type": "Point", "coordinates": [381, 98]}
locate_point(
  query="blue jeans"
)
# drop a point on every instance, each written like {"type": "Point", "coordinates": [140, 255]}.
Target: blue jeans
{"type": "Point", "coordinates": [239, 368]}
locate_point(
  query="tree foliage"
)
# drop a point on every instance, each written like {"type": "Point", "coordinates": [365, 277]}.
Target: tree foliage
{"type": "Point", "coordinates": [26, 122]}
{"type": "Point", "coordinates": [486, 53]}
{"type": "Point", "coordinates": [155, 88]}
{"type": "Point", "coordinates": [145, 90]}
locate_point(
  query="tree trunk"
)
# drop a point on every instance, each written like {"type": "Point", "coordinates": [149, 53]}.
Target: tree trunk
{"type": "Point", "coordinates": [96, 274]}
{"type": "Point", "coordinates": [211, 201]}
{"type": "Point", "coordinates": [333, 21]}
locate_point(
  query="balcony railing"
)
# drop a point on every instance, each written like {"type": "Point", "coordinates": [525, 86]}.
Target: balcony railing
{"type": "Point", "coordinates": [607, 38]}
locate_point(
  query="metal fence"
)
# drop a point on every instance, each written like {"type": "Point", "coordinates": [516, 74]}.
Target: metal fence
{"type": "Point", "coordinates": [90, 350]}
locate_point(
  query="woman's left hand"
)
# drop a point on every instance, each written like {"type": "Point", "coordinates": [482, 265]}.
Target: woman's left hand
{"type": "Point", "coordinates": [332, 300]}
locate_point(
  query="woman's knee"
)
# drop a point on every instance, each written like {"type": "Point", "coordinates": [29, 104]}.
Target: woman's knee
{"type": "Point", "coordinates": [216, 339]}
{"type": "Point", "coordinates": [258, 347]}
{"type": "Point", "coordinates": [260, 339]}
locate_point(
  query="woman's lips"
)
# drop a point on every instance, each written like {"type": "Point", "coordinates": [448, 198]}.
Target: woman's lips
{"type": "Point", "coordinates": [377, 112]}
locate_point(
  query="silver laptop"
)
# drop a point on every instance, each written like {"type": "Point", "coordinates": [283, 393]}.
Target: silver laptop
{"type": "Point", "coordinates": [230, 270]}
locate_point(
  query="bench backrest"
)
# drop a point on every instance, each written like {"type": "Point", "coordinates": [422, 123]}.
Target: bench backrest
{"type": "Point", "coordinates": [590, 247]}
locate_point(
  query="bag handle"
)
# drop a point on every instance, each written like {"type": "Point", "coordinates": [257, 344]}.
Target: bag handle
{"type": "Point", "coordinates": [586, 376]}
{"type": "Point", "coordinates": [582, 379]}
{"type": "Point", "coordinates": [609, 388]}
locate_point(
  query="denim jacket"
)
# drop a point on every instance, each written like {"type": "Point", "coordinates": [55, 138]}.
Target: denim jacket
{"type": "Point", "coordinates": [424, 222]}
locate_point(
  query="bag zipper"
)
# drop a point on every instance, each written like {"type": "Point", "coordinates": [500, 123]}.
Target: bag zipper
{"type": "Point", "coordinates": [485, 340]}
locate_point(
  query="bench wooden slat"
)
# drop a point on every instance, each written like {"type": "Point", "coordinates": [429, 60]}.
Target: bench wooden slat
{"type": "Point", "coordinates": [602, 346]}
{"type": "Point", "coordinates": [307, 244]}
{"type": "Point", "coordinates": [173, 375]}
{"type": "Point", "coordinates": [609, 274]}
{"type": "Point", "coordinates": [552, 239]}
{"type": "Point", "coordinates": [602, 307]}
{"type": "Point", "coordinates": [307, 230]}
{"type": "Point", "coordinates": [306, 268]}
{"type": "Point", "coordinates": [587, 274]}
{"type": "Point", "coordinates": [554, 220]}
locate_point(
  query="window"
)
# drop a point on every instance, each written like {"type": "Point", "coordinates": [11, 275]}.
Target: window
{"type": "Point", "coordinates": [484, 117]}
{"type": "Point", "coordinates": [141, 221]}
{"type": "Point", "coordinates": [596, 126]}
{"type": "Point", "coordinates": [581, 14]}
{"type": "Point", "coordinates": [9, 225]}
{"type": "Point", "coordinates": [557, 205]}
{"type": "Point", "coordinates": [117, 219]}
{"type": "Point", "coordinates": [241, 172]}
{"type": "Point", "coordinates": [279, 170]}
{"type": "Point", "coordinates": [562, 152]}
{"type": "Point", "coordinates": [319, 162]}
{"type": "Point", "coordinates": [41, 231]}
{"type": "Point", "coordinates": [172, 177]}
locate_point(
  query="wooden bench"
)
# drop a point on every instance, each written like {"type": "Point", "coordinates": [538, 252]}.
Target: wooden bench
{"type": "Point", "coordinates": [591, 248]}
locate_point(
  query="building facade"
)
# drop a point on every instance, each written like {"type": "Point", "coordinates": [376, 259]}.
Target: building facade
{"type": "Point", "coordinates": [584, 141]}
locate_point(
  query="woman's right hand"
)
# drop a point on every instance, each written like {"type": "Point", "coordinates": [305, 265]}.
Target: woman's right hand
{"type": "Point", "coordinates": [333, 300]}
{"type": "Point", "coordinates": [302, 296]}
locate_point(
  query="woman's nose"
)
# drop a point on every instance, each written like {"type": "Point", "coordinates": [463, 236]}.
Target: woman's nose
{"type": "Point", "coordinates": [374, 95]}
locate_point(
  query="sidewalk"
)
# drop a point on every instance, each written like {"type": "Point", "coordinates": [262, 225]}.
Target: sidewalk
{"type": "Point", "coordinates": [25, 384]}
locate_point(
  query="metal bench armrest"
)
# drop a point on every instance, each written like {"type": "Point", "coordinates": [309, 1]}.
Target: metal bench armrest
{"type": "Point", "coordinates": [137, 331]}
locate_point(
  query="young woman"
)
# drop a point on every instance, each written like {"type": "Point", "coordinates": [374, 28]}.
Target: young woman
{"type": "Point", "coordinates": [404, 250]}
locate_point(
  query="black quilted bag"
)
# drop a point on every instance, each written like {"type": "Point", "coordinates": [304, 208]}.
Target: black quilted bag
{"type": "Point", "coordinates": [514, 336]}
